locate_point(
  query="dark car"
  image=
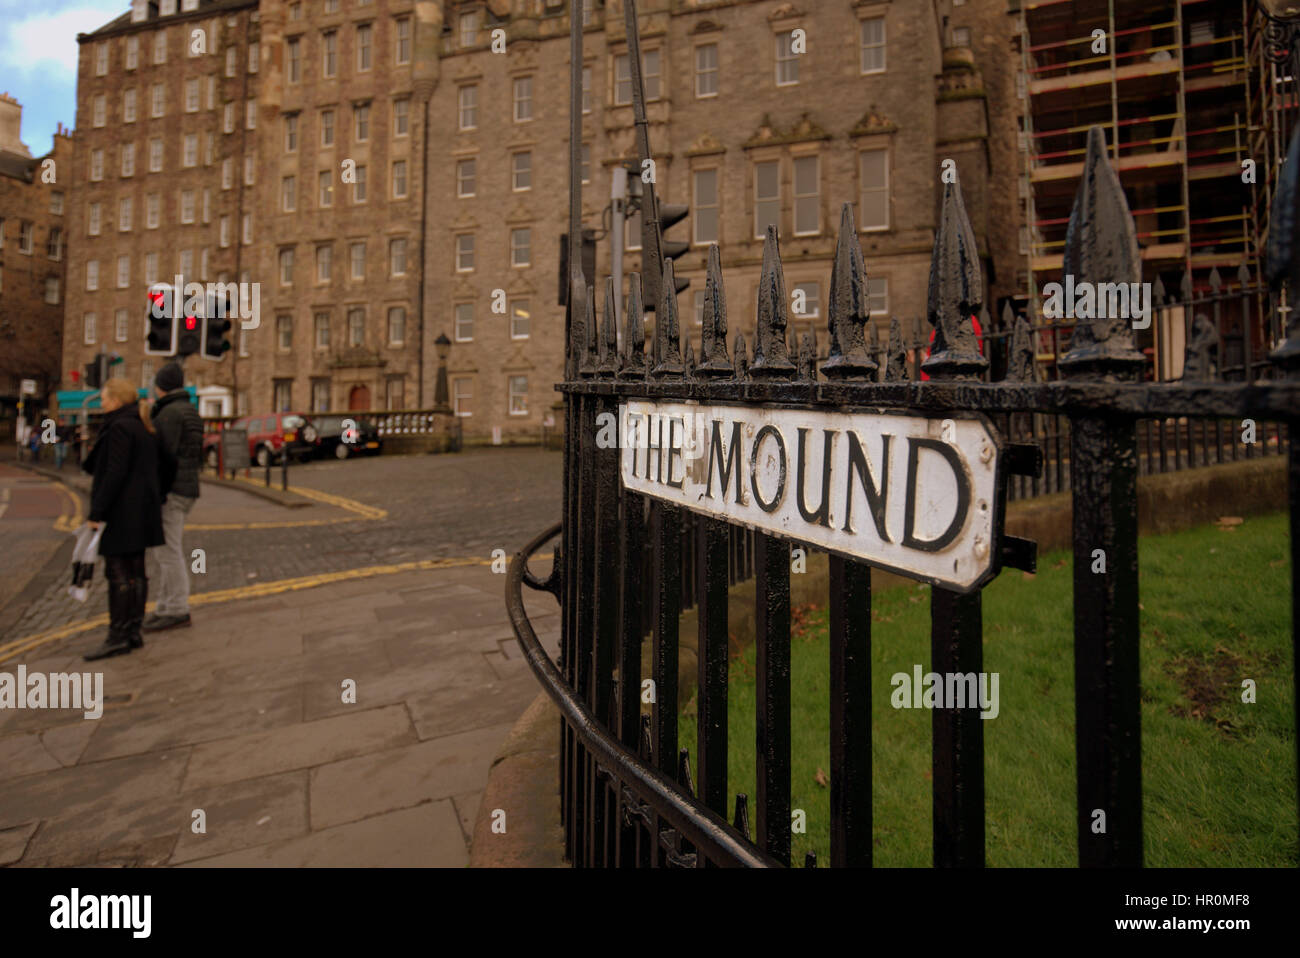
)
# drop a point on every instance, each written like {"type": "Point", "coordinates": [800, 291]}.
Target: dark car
{"type": "Point", "coordinates": [269, 438]}
{"type": "Point", "coordinates": [343, 436]}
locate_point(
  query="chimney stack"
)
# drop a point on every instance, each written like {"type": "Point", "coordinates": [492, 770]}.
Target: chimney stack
{"type": "Point", "coordinates": [11, 121]}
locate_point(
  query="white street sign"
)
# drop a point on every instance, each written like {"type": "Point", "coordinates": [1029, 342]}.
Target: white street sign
{"type": "Point", "coordinates": [27, 387]}
{"type": "Point", "coordinates": [914, 495]}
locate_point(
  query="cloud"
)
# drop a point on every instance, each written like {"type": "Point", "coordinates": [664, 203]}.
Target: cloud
{"type": "Point", "coordinates": [45, 41]}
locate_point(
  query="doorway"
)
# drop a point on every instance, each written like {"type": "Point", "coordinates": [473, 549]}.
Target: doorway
{"type": "Point", "coordinates": [359, 398]}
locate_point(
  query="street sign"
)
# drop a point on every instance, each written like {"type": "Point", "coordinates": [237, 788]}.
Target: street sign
{"type": "Point", "coordinates": [234, 449]}
{"type": "Point", "coordinates": [27, 387]}
{"type": "Point", "coordinates": [914, 495]}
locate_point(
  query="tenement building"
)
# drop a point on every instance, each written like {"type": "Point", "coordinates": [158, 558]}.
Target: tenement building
{"type": "Point", "coordinates": [389, 172]}
{"type": "Point", "coordinates": [33, 244]}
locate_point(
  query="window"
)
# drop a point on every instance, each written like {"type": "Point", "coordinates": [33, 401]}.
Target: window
{"type": "Point", "coordinates": [403, 38]}
{"type": "Point", "coordinates": [120, 325]}
{"type": "Point", "coordinates": [150, 268]}
{"type": "Point", "coordinates": [96, 165]}
{"type": "Point", "coordinates": [88, 329]}
{"type": "Point", "coordinates": [812, 300]}
{"type": "Point", "coordinates": [99, 110]}
{"type": "Point", "coordinates": [464, 322]}
{"type": "Point", "coordinates": [286, 267]}
{"type": "Point", "coordinates": [706, 70]}
{"type": "Point", "coordinates": [650, 71]}
{"type": "Point", "coordinates": [92, 220]}
{"type": "Point", "coordinates": [192, 96]}
{"type": "Point", "coordinates": [187, 206]}
{"type": "Point", "coordinates": [203, 263]}
{"type": "Point", "coordinates": [250, 115]}
{"type": "Point", "coordinates": [124, 210]}
{"type": "Point", "coordinates": [232, 53]}
{"type": "Point", "coordinates": [395, 388]}
{"type": "Point", "coordinates": [588, 12]}
{"type": "Point", "coordinates": [190, 153]}
{"type": "Point", "coordinates": [361, 122]}
{"type": "Point", "coordinates": [326, 127]}
{"type": "Point", "coordinates": [401, 117]}
{"type": "Point", "coordinates": [399, 179]}
{"type": "Point", "coordinates": [468, 29]}
{"type": "Point", "coordinates": [787, 61]}
{"type": "Point", "coordinates": [92, 276]}
{"type": "Point", "coordinates": [462, 396]}
{"type": "Point", "coordinates": [807, 200]}
{"type": "Point", "coordinates": [128, 106]}
{"type": "Point", "coordinates": [295, 11]}
{"type": "Point", "coordinates": [873, 213]}
{"type": "Point", "coordinates": [767, 196]}
{"type": "Point", "coordinates": [357, 255]}
{"type": "Point", "coordinates": [331, 6]}
{"type": "Point", "coordinates": [152, 211]}
{"type": "Point", "coordinates": [363, 47]}
{"type": "Point", "coordinates": [325, 179]}
{"type": "Point", "coordinates": [396, 328]}
{"type": "Point", "coordinates": [146, 373]}
{"type": "Point", "coordinates": [585, 166]}
{"type": "Point", "coordinates": [465, 253]}
{"type": "Point", "coordinates": [291, 133]}
{"type": "Point", "coordinates": [521, 248]}
{"type": "Point", "coordinates": [466, 177]}
{"type": "Point", "coordinates": [523, 99]}
{"type": "Point", "coordinates": [961, 36]}
{"type": "Point", "coordinates": [519, 395]}
{"type": "Point", "coordinates": [25, 234]}
{"type": "Point", "coordinates": [873, 45]}
{"type": "Point", "coordinates": [132, 52]}
{"type": "Point", "coordinates": [324, 263]}
{"type": "Point", "coordinates": [329, 53]}
{"type": "Point", "coordinates": [52, 290]}
{"type": "Point", "coordinates": [320, 395]}
{"type": "Point", "coordinates": [284, 333]}
{"type": "Point", "coordinates": [227, 173]}
{"type": "Point", "coordinates": [632, 232]}
{"type": "Point", "coordinates": [156, 155]}
{"type": "Point", "coordinates": [706, 207]}
{"type": "Point", "coordinates": [123, 272]}
{"type": "Point", "coordinates": [519, 316]}
{"type": "Point", "coordinates": [468, 102]}
{"type": "Point", "coordinates": [253, 57]}
{"type": "Point", "coordinates": [283, 395]}
{"type": "Point", "coordinates": [209, 143]}
{"type": "Point", "coordinates": [160, 47]}
{"type": "Point", "coordinates": [397, 257]}
{"type": "Point", "coordinates": [128, 159]}
{"type": "Point", "coordinates": [294, 58]}
{"type": "Point", "coordinates": [356, 326]}
{"type": "Point", "coordinates": [157, 100]}
{"type": "Point", "coordinates": [228, 118]}
{"type": "Point", "coordinates": [212, 91]}
{"type": "Point", "coordinates": [699, 307]}
{"type": "Point", "coordinates": [521, 171]}
{"type": "Point", "coordinates": [101, 59]}
{"type": "Point", "coordinates": [878, 295]}
{"type": "Point", "coordinates": [54, 244]}
{"type": "Point", "coordinates": [650, 74]}
{"type": "Point", "coordinates": [322, 325]}
{"type": "Point", "coordinates": [359, 190]}
{"type": "Point", "coordinates": [586, 89]}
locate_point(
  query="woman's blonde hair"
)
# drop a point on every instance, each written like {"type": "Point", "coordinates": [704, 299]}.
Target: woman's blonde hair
{"type": "Point", "coordinates": [122, 391]}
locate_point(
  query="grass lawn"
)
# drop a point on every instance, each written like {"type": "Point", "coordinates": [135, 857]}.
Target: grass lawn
{"type": "Point", "coordinates": [1218, 776]}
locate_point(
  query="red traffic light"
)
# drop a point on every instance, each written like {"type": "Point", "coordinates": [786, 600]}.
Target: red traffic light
{"type": "Point", "coordinates": [75, 374]}
{"type": "Point", "coordinates": [191, 323]}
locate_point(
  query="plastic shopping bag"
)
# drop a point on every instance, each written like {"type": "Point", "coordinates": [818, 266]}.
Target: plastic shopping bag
{"type": "Point", "coordinates": [83, 560]}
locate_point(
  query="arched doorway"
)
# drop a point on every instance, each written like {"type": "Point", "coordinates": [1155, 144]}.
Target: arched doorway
{"type": "Point", "coordinates": [359, 398]}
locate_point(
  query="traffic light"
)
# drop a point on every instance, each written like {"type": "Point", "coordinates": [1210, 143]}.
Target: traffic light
{"type": "Point", "coordinates": [588, 262]}
{"type": "Point", "coordinates": [161, 319]}
{"type": "Point", "coordinates": [92, 377]}
{"type": "Point", "coordinates": [216, 325]}
{"type": "Point", "coordinates": [188, 334]}
{"type": "Point", "coordinates": [669, 215]}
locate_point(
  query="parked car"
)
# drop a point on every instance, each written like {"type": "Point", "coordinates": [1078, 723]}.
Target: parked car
{"type": "Point", "coordinates": [269, 438]}
{"type": "Point", "coordinates": [331, 440]}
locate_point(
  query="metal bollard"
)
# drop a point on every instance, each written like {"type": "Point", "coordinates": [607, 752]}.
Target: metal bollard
{"type": "Point", "coordinates": [268, 472]}
{"type": "Point", "coordinates": [284, 471]}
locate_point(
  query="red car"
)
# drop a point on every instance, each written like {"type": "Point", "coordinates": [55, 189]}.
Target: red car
{"type": "Point", "coordinates": [269, 437]}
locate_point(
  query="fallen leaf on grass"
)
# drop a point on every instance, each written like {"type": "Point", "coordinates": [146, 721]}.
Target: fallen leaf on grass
{"type": "Point", "coordinates": [821, 779]}
{"type": "Point", "coordinates": [1029, 575]}
{"type": "Point", "coordinates": [1229, 520]}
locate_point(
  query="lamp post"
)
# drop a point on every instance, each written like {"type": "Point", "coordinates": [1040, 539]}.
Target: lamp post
{"type": "Point", "coordinates": [442, 346]}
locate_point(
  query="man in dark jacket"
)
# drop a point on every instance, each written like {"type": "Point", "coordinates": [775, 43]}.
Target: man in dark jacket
{"type": "Point", "coordinates": [180, 434]}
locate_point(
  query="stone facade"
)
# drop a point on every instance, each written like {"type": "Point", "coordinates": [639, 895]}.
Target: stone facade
{"type": "Point", "coordinates": [34, 208]}
{"type": "Point", "coordinates": [744, 129]}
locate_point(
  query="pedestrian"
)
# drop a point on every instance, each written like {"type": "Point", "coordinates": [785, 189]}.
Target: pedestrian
{"type": "Point", "coordinates": [125, 497]}
{"type": "Point", "coordinates": [180, 433]}
{"type": "Point", "coordinates": [60, 444]}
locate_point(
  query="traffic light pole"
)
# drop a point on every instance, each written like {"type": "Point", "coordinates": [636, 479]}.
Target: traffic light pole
{"type": "Point", "coordinates": [652, 257]}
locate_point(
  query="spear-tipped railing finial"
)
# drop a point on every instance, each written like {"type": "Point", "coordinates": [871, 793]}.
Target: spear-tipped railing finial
{"type": "Point", "coordinates": [956, 293]}
{"type": "Point", "coordinates": [713, 337]}
{"type": "Point", "coordinates": [771, 357]}
{"type": "Point", "coordinates": [848, 309]}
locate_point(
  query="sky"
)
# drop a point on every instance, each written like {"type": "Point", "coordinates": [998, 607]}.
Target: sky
{"type": "Point", "coordinates": [38, 59]}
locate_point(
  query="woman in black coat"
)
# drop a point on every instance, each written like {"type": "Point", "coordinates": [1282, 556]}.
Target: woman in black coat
{"type": "Point", "coordinates": [126, 497]}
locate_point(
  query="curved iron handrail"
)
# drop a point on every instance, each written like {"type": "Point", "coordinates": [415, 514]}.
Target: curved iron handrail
{"type": "Point", "coordinates": [704, 828]}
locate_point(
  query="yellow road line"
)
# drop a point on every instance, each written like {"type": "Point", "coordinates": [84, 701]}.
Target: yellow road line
{"type": "Point", "coordinates": [66, 523]}
{"type": "Point", "coordinates": [361, 512]}
{"type": "Point", "coordinates": [17, 647]}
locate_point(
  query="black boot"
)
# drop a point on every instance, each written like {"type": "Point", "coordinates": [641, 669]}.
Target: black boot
{"type": "Point", "coordinates": [125, 609]}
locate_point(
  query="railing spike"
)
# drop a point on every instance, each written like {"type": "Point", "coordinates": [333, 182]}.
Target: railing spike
{"type": "Point", "coordinates": [588, 367]}
{"type": "Point", "coordinates": [1020, 358]}
{"type": "Point", "coordinates": [807, 359]}
{"type": "Point", "coordinates": [1101, 247]}
{"type": "Point", "coordinates": [1243, 274]}
{"type": "Point", "coordinates": [848, 310]}
{"type": "Point", "coordinates": [1158, 291]}
{"type": "Point", "coordinates": [1198, 364]}
{"type": "Point", "coordinates": [647, 742]}
{"type": "Point", "coordinates": [668, 352]}
{"type": "Point", "coordinates": [684, 772]}
{"type": "Point", "coordinates": [896, 370]}
{"type": "Point", "coordinates": [1186, 292]}
{"type": "Point", "coordinates": [634, 365]}
{"type": "Point", "coordinates": [771, 357]}
{"type": "Point", "coordinates": [1216, 281]}
{"type": "Point", "coordinates": [956, 293]}
{"type": "Point", "coordinates": [713, 337]}
{"type": "Point", "coordinates": [688, 361]}
{"type": "Point", "coordinates": [608, 367]}
{"type": "Point", "coordinates": [741, 822]}
{"type": "Point", "coordinates": [1008, 316]}
{"type": "Point", "coordinates": [741, 352]}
